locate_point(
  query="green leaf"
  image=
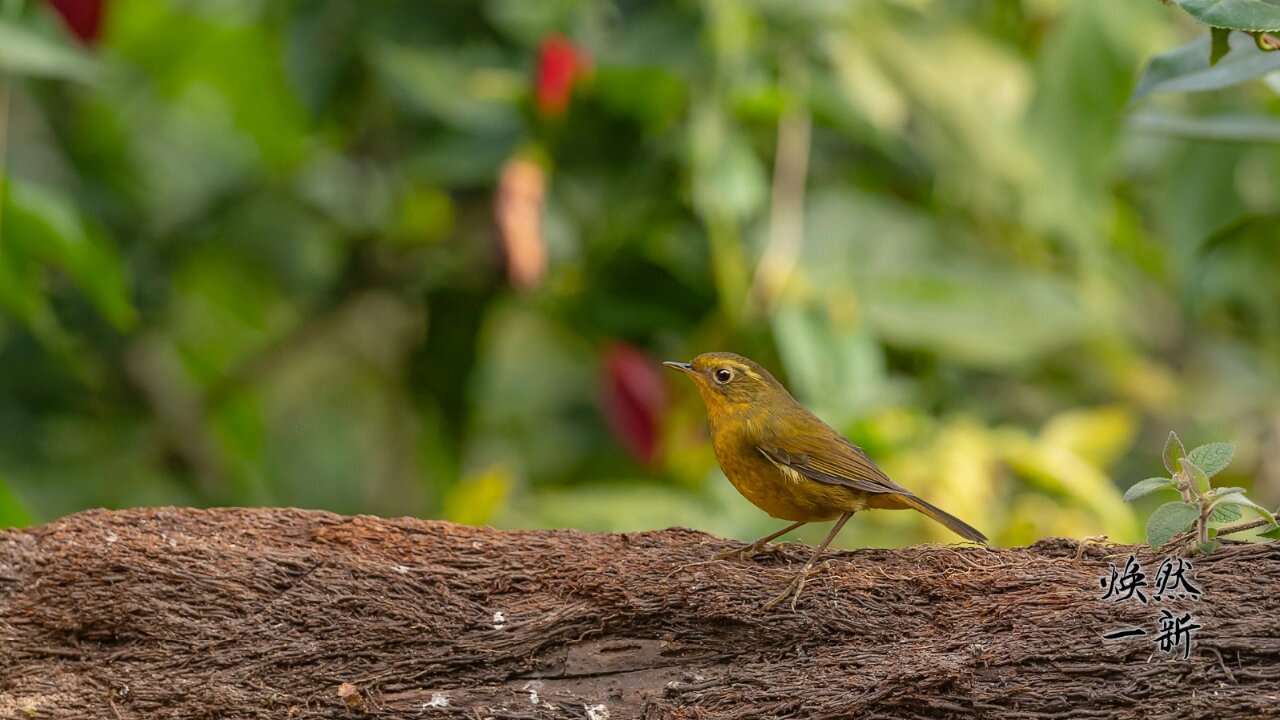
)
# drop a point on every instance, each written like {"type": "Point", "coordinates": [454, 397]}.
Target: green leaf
{"type": "Point", "coordinates": [1098, 435]}
{"type": "Point", "coordinates": [728, 177]}
{"type": "Point", "coordinates": [530, 22]}
{"type": "Point", "coordinates": [1236, 268]}
{"type": "Point", "coordinates": [463, 87]}
{"type": "Point", "coordinates": [1222, 127]}
{"type": "Point", "coordinates": [963, 311]}
{"type": "Point", "coordinates": [24, 52]}
{"type": "Point", "coordinates": [1186, 69]}
{"type": "Point", "coordinates": [476, 500]}
{"type": "Point", "coordinates": [41, 228]}
{"type": "Point", "coordinates": [1196, 473]}
{"type": "Point", "coordinates": [650, 95]}
{"type": "Point", "coordinates": [1235, 14]}
{"type": "Point", "coordinates": [1173, 452]}
{"type": "Point", "coordinates": [1169, 520]}
{"type": "Point", "coordinates": [1146, 487]}
{"type": "Point", "coordinates": [1213, 457]}
{"type": "Point", "coordinates": [1208, 547]}
{"type": "Point", "coordinates": [1236, 498]}
{"type": "Point", "coordinates": [1272, 534]}
{"type": "Point", "coordinates": [1220, 491]}
{"type": "Point", "coordinates": [1221, 47]}
{"type": "Point", "coordinates": [835, 364]}
{"type": "Point", "coordinates": [1224, 513]}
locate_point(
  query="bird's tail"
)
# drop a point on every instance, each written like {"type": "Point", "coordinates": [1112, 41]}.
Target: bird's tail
{"type": "Point", "coordinates": [956, 525]}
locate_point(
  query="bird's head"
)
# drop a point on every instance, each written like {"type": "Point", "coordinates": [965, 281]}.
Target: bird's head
{"type": "Point", "coordinates": [729, 382]}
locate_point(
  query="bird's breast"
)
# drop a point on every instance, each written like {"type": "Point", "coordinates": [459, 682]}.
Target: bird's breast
{"type": "Point", "coordinates": [783, 493]}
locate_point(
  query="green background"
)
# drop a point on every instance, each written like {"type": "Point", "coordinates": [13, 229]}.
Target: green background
{"type": "Point", "coordinates": [249, 255]}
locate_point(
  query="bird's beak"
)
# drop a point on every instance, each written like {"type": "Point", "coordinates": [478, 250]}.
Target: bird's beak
{"type": "Point", "coordinates": [685, 368]}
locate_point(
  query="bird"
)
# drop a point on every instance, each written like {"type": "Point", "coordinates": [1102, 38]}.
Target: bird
{"type": "Point", "coordinates": [790, 463]}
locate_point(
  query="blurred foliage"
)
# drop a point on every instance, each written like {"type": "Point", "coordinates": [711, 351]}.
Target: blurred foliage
{"type": "Point", "coordinates": [411, 258]}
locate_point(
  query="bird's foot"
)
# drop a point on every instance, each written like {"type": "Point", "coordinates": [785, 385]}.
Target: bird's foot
{"type": "Point", "coordinates": [793, 588]}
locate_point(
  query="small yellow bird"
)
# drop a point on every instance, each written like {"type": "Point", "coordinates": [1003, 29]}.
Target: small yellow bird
{"type": "Point", "coordinates": [788, 462]}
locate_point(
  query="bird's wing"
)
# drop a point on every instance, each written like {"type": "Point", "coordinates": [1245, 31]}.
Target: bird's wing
{"type": "Point", "coordinates": [839, 462]}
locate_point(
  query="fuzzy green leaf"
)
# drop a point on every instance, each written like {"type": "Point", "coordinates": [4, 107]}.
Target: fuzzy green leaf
{"type": "Point", "coordinates": [1235, 14]}
{"type": "Point", "coordinates": [1146, 487]}
{"type": "Point", "coordinates": [1220, 491]}
{"type": "Point", "coordinates": [1169, 520]}
{"type": "Point", "coordinates": [1196, 473]}
{"type": "Point", "coordinates": [1236, 498]}
{"type": "Point", "coordinates": [1272, 534]}
{"type": "Point", "coordinates": [1224, 513]}
{"type": "Point", "coordinates": [1213, 457]}
{"type": "Point", "coordinates": [1208, 547]}
{"type": "Point", "coordinates": [1173, 452]}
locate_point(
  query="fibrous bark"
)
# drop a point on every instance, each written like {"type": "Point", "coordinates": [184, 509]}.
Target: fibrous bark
{"type": "Point", "coordinates": [282, 613]}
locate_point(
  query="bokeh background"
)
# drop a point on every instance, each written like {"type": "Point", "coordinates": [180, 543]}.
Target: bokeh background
{"type": "Point", "coordinates": [424, 258]}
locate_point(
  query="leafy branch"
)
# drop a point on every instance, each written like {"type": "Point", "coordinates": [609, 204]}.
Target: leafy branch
{"type": "Point", "coordinates": [1259, 20]}
{"type": "Point", "coordinates": [1201, 504]}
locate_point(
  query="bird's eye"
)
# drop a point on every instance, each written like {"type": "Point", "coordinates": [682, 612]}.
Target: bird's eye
{"type": "Point", "coordinates": [723, 375]}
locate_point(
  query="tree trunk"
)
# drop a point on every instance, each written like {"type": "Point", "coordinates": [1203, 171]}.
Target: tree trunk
{"type": "Point", "coordinates": [282, 613]}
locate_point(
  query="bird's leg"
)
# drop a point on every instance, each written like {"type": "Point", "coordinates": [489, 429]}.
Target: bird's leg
{"type": "Point", "coordinates": [743, 552]}
{"type": "Point", "coordinates": [797, 584]}
{"type": "Point", "coordinates": [758, 546]}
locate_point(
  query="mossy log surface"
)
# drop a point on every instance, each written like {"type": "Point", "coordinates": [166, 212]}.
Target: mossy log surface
{"type": "Point", "coordinates": [283, 613]}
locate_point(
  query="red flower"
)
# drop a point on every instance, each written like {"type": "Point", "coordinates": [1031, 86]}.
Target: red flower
{"type": "Point", "coordinates": [82, 17]}
{"type": "Point", "coordinates": [635, 400]}
{"type": "Point", "coordinates": [559, 63]}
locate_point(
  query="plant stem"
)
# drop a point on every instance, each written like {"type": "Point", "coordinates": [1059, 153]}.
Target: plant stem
{"type": "Point", "coordinates": [1183, 483]}
{"type": "Point", "coordinates": [1242, 526]}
